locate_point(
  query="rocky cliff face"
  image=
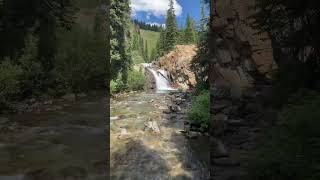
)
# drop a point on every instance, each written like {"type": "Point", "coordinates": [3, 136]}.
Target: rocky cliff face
{"type": "Point", "coordinates": [177, 64]}
{"type": "Point", "coordinates": [241, 65]}
{"type": "Point", "coordinates": [240, 51]}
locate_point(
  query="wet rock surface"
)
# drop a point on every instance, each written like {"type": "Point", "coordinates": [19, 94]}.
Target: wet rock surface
{"type": "Point", "coordinates": [157, 148]}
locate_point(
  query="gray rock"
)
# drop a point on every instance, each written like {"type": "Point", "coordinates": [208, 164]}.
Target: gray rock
{"type": "Point", "coordinates": [32, 100]}
{"type": "Point", "coordinates": [82, 95]}
{"type": "Point", "coordinates": [73, 173]}
{"type": "Point", "coordinates": [224, 56]}
{"type": "Point", "coordinates": [193, 134]}
{"type": "Point", "coordinates": [232, 122]}
{"type": "Point", "coordinates": [4, 120]}
{"type": "Point", "coordinates": [227, 110]}
{"type": "Point", "coordinates": [69, 97]}
{"type": "Point", "coordinates": [220, 117]}
{"type": "Point", "coordinates": [219, 149]}
{"type": "Point", "coordinates": [123, 133]}
{"type": "Point", "coordinates": [153, 126]}
{"type": "Point", "coordinates": [226, 162]}
{"type": "Point", "coordinates": [48, 102]}
{"type": "Point", "coordinates": [39, 175]}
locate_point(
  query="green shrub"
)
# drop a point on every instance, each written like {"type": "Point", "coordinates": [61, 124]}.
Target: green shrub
{"type": "Point", "coordinates": [137, 58]}
{"type": "Point", "coordinates": [32, 75]}
{"type": "Point", "coordinates": [79, 59]}
{"type": "Point", "coordinates": [116, 86]}
{"type": "Point", "coordinates": [9, 81]}
{"type": "Point", "coordinates": [292, 149]}
{"type": "Point", "coordinates": [200, 110]}
{"type": "Point", "coordinates": [136, 80]}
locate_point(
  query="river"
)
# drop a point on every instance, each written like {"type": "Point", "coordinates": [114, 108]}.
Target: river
{"type": "Point", "coordinates": [56, 144]}
{"type": "Point", "coordinates": [162, 153]}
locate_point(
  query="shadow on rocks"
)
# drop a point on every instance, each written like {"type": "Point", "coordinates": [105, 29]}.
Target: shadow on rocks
{"type": "Point", "coordinates": [138, 162]}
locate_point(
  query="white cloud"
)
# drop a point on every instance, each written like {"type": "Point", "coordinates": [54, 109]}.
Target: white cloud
{"type": "Point", "coordinates": [157, 8]}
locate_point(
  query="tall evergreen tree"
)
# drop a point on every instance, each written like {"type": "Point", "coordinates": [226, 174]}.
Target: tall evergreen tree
{"type": "Point", "coordinates": [146, 52]}
{"type": "Point", "coordinates": [141, 46]}
{"type": "Point", "coordinates": [171, 28]}
{"type": "Point", "coordinates": [161, 45]}
{"type": "Point", "coordinates": [181, 36]}
{"type": "Point", "coordinates": [203, 20]}
{"type": "Point", "coordinates": [200, 62]}
{"type": "Point", "coordinates": [190, 32]}
{"type": "Point", "coordinates": [17, 17]}
{"type": "Point", "coordinates": [120, 49]}
{"type": "Point", "coordinates": [153, 55]}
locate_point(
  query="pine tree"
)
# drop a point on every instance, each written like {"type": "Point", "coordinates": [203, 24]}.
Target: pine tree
{"type": "Point", "coordinates": [189, 32]}
{"type": "Point", "coordinates": [161, 45]}
{"type": "Point", "coordinates": [141, 46]}
{"type": "Point", "coordinates": [200, 62]}
{"type": "Point", "coordinates": [204, 20]}
{"type": "Point", "coordinates": [153, 55]}
{"type": "Point", "coordinates": [181, 39]}
{"type": "Point", "coordinates": [120, 49]}
{"type": "Point", "coordinates": [171, 28]}
{"type": "Point", "coordinates": [146, 52]}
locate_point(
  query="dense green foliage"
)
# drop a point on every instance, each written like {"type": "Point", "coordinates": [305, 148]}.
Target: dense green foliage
{"type": "Point", "coordinates": [189, 35]}
{"type": "Point", "coordinates": [199, 113]}
{"type": "Point", "coordinates": [171, 35]}
{"type": "Point", "coordinates": [17, 17]}
{"type": "Point", "coordinates": [120, 48]}
{"type": "Point", "coordinates": [200, 63]}
{"type": "Point", "coordinates": [161, 49]}
{"type": "Point", "coordinates": [79, 60]}
{"type": "Point", "coordinates": [48, 51]}
{"type": "Point", "coordinates": [292, 149]}
{"type": "Point", "coordinates": [9, 81]}
{"type": "Point", "coordinates": [136, 81]}
{"type": "Point", "coordinates": [129, 46]}
{"type": "Point", "coordinates": [171, 30]}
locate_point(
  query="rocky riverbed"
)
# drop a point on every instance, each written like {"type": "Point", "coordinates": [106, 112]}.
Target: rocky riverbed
{"type": "Point", "coordinates": [149, 141]}
{"type": "Point", "coordinates": [55, 143]}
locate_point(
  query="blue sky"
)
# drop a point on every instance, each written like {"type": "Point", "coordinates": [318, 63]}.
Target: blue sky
{"type": "Point", "coordinates": [154, 11]}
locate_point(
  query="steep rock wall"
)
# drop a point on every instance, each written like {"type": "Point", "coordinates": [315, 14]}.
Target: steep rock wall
{"type": "Point", "coordinates": [240, 51]}
{"type": "Point", "coordinates": [241, 68]}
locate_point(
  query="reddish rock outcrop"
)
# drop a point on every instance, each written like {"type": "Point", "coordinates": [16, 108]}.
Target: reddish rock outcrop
{"type": "Point", "coordinates": [240, 50]}
{"type": "Point", "coordinates": [177, 64]}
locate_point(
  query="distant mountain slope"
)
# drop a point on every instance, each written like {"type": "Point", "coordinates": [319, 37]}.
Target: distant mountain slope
{"type": "Point", "coordinates": [152, 37]}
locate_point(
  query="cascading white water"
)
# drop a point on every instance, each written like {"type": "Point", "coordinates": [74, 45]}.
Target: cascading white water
{"type": "Point", "coordinates": [162, 83]}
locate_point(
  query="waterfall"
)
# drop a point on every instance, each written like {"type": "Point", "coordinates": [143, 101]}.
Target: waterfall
{"type": "Point", "coordinates": [161, 78]}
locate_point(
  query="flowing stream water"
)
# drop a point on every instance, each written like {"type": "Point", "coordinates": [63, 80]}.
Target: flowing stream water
{"type": "Point", "coordinates": [139, 153]}
{"type": "Point", "coordinates": [161, 79]}
{"type": "Point", "coordinates": [68, 141]}
{"type": "Point", "coordinates": [56, 144]}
